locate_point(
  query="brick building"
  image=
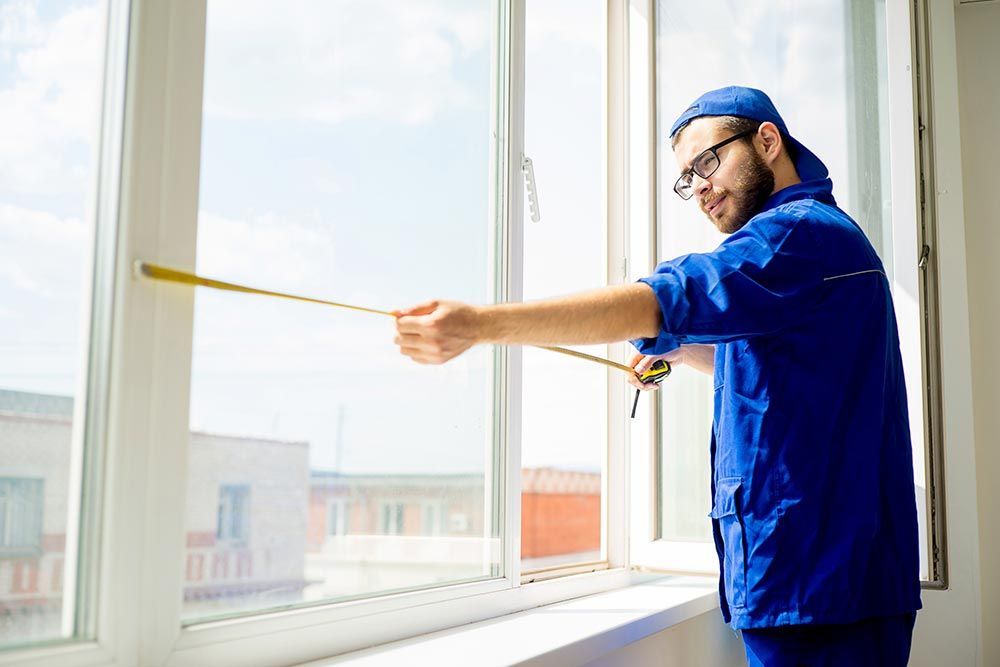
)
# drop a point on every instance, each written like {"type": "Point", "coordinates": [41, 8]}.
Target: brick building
{"type": "Point", "coordinates": [246, 516]}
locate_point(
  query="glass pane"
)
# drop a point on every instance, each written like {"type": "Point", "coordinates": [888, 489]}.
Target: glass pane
{"type": "Point", "coordinates": [51, 65]}
{"type": "Point", "coordinates": [346, 155]}
{"type": "Point", "coordinates": [564, 400]}
{"type": "Point", "coordinates": [824, 65]}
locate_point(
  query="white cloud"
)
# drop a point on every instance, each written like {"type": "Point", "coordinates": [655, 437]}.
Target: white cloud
{"type": "Point", "coordinates": [19, 27]}
{"type": "Point", "coordinates": [331, 62]}
{"type": "Point", "coordinates": [569, 22]}
{"type": "Point", "coordinates": [39, 227]}
{"type": "Point", "coordinates": [40, 253]}
{"type": "Point", "coordinates": [50, 107]}
{"type": "Point", "coordinates": [266, 249]}
{"type": "Point", "coordinates": [20, 279]}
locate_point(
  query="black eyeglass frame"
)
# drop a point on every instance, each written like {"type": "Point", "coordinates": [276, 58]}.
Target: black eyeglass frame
{"type": "Point", "coordinates": [718, 162]}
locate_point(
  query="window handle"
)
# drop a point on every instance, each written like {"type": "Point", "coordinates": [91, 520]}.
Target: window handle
{"type": "Point", "coordinates": [529, 182]}
{"type": "Point", "coordinates": [925, 254]}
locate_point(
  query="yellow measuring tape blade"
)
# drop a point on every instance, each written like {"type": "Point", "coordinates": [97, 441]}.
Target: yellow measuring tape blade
{"type": "Point", "coordinates": [170, 275]}
{"type": "Point", "coordinates": [157, 272]}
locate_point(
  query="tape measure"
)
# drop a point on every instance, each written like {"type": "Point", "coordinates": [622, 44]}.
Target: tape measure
{"type": "Point", "coordinates": [656, 373]}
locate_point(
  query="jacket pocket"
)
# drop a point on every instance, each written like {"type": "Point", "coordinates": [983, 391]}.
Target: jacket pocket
{"type": "Point", "coordinates": [725, 510]}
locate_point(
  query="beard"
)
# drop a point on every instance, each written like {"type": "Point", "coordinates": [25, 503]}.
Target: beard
{"type": "Point", "coordinates": [753, 185]}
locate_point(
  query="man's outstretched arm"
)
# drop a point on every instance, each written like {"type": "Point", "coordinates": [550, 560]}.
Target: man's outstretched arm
{"type": "Point", "coordinates": [436, 331]}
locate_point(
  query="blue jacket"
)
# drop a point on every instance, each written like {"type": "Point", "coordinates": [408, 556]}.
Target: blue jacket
{"type": "Point", "coordinates": [813, 513]}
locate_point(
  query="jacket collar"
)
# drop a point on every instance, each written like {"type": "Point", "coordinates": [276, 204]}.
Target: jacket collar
{"type": "Point", "coordinates": [820, 190]}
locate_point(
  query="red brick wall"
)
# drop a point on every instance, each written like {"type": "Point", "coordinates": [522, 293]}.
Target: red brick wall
{"type": "Point", "coordinates": [559, 523]}
{"type": "Point", "coordinates": [316, 530]}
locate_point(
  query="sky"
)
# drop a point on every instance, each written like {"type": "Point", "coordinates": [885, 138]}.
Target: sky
{"type": "Point", "coordinates": [356, 165]}
{"type": "Point", "coordinates": [50, 58]}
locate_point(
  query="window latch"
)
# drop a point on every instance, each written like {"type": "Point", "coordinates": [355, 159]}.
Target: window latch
{"type": "Point", "coordinates": [925, 254]}
{"type": "Point", "coordinates": [529, 182]}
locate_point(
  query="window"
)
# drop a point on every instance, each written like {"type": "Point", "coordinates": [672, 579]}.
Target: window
{"type": "Point", "coordinates": [53, 304]}
{"type": "Point", "coordinates": [564, 402]}
{"type": "Point", "coordinates": [393, 516]}
{"type": "Point", "coordinates": [313, 492]}
{"type": "Point", "coordinates": [847, 125]}
{"type": "Point", "coordinates": [458, 523]}
{"type": "Point", "coordinates": [234, 515]}
{"type": "Point", "coordinates": [350, 158]}
{"type": "Point", "coordinates": [338, 517]}
{"type": "Point", "coordinates": [20, 515]}
{"type": "Point", "coordinates": [433, 518]}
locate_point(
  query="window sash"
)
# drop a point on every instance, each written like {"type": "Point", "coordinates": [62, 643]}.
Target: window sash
{"type": "Point", "coordinates": [917, 333]}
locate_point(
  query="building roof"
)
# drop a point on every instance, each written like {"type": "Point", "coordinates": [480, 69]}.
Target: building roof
{"type": "Point", "coordinates": [37, 405]}
{"type": "Point", "coordinates": [53, 406]}
{"type": "Point", "coordinates": [555, 480]}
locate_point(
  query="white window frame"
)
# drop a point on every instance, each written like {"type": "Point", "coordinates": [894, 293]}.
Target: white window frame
{"type": "Point", "coordinates": [918, 339]}
{"type": "Point", "coordinates": [648, 553]}
{"type": "Point", "coordinates": [614, 174]}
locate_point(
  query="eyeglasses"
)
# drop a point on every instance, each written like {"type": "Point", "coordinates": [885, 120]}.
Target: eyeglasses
{"type": "Point", "coordinates": [704, 164]}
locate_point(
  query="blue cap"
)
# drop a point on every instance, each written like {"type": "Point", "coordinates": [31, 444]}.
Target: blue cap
{"type": "Point", "coordinates": [755, 105]}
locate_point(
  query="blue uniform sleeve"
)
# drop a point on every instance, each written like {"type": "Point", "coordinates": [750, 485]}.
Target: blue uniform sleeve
{"type": "Point", "coordinates": [761, 279]}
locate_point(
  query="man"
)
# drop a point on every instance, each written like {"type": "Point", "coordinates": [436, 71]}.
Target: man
{"type": "Point", "coordinates": [813, 513]}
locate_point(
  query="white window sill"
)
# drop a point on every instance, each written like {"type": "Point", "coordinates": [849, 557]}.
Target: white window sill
{"type": "Point", "coordinates": [566, 633]}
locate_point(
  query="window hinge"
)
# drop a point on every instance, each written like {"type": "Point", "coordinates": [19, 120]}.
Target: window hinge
{"type": "Point", "coordinates": [529, 182]}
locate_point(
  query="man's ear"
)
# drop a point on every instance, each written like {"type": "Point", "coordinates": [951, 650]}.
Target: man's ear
{"type": "Point", "coordinates": [769, 140]}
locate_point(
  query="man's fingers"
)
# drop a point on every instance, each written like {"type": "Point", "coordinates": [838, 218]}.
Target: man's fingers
{"type": "Point", "coordinates": [644, 386]}
{"type": "Point", "coordinates": [429, 352]}
{"type": "Point", "coordinates": [416, 354]}
{"type": "Point", "coordinates": [407, 340]}
{"type": "Point", "coordinates": [411, 324]}
{"type": "Point", "coordinates": [640, 362]}
{"type": "Point", "coordinates": [419, 309]}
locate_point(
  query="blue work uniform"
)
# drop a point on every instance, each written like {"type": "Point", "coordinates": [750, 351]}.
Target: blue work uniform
{"type": "Point", "coordinates": [813, 509]}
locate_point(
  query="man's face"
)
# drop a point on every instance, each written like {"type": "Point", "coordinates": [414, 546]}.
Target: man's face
{"type": "Point", "coordinates": [741, 184]}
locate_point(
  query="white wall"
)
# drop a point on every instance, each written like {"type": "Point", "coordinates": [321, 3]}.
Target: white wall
{"type": "Point", "coordinates": [977, 30]}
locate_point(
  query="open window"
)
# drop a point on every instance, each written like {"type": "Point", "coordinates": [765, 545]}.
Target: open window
{"type": "Point", "coordinates": [841, 75]}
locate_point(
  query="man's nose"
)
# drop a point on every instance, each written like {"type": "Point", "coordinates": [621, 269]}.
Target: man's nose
{"type": "Point", "coordinates": [700, 186]}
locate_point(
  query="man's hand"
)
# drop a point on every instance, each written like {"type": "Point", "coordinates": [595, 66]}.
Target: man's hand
{"type": "Point", "coordinates": [437, 331]}
{"type": "Point", "coordinates": [642, 362]}
{"type": "Point", "coordinates": [699, 357]}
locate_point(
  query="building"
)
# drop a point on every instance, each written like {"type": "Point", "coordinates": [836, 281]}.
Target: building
{"type": "Point", "coordinates": [246, 516]}
{"type": "Point", "coordinates": [262, 529]}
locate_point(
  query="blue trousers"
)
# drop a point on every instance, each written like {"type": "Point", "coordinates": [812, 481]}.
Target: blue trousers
{"type": "Point", "coordinates": [874, 642]}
